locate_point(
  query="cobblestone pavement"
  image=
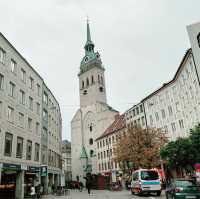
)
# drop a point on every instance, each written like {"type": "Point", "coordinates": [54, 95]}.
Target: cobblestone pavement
{"type": "Point", "coordinates": [75, 194]}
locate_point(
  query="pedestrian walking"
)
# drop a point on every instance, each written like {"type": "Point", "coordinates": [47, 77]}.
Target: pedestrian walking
{"type": "Point", "coordinates": [80, 186]}
{"type": "Point", "coordinates": [33, 194]}
{"type": "Point", "coordinates": [88, 182]}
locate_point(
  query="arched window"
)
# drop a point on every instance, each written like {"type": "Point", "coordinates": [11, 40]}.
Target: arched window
{"type": "Point", "coordinates": [91, 153]}
{"type": "Point", "coordinates": [91, 141]}
{"type": "Point", "coordinates": [101, 79]}
{"type": "Point", "coordinates": [88, 82]}
{"type": "Point", "coordinates": [90, 127]}
{"type": "Point", "coordinates": [92, 79]}
{"type": "Point", "coordinates": [83, 84]}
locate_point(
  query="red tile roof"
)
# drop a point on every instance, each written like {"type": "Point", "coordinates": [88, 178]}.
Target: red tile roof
{"type": "Point", "coordinates": [118, 124]}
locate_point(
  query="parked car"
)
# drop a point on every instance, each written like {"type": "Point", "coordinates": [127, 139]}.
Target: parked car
{"type": "Point", "coordinates": [182, 189]}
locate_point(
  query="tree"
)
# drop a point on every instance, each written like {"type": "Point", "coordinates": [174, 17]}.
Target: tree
{"type": "Point", "coordinates": [179, 154]}
{"type": "Point", "coordinates": [141, 147]}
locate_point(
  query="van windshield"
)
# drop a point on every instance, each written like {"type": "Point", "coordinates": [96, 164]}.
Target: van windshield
{"type": "Point", "coordinates": [149, 175]}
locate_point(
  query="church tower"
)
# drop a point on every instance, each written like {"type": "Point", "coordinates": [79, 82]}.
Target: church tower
{"type": "Point", "coordinates": [91, 75]}
{"type": "Point", "coordinates": [94, 114]}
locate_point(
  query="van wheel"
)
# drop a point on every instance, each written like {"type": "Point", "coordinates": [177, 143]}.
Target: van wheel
{"type": "Point", "coordinates": [158, 193]}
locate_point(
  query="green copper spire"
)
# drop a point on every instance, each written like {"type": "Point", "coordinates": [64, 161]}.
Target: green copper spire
{"type": "Point", "coordinates": [89, 46]}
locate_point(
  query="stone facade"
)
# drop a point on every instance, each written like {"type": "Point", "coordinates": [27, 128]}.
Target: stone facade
{"type": "Point", "coordinates": [22, 120]}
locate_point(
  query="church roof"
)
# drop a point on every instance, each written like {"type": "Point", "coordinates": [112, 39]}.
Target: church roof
{"type": "Point", "coordinates": [118, 124]}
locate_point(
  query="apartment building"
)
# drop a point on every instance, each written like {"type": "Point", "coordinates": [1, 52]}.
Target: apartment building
{"type": "Point", "coordinates": [22, 118]}
{"type": "Point", "coordinates": [106, 144]}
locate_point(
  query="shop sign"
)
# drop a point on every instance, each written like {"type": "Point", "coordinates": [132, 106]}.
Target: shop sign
{"type": "Point", "coordinates": [34, 169]}
{"type": "Point", "coordinates": [12, 166]}
{"type": "Point", "coordinates": [43, 170]}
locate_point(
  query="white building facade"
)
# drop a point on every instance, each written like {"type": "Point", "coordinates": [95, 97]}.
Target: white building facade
{"type": "Point", "coordinates": [93, 116]}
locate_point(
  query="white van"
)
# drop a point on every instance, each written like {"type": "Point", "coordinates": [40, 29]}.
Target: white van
{"type": "Point", "coordinates": [146, 181]}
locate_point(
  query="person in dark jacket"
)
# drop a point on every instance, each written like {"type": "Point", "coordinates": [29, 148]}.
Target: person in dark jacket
{"type": "Point", "coordinates": [88, 182]}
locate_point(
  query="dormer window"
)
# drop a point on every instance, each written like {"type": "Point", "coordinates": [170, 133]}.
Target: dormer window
{"type": "Point", "coordinates": [86, 59]}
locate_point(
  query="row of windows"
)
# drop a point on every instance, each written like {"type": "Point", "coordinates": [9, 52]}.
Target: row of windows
{"type": "Point", "coordinates": [139, 121]}
{"type": "Point", "coordinates": [53, 158]}
{"type": "Point", "coordinates": [106, 166]}
{"type": "Point", "coordinates": [20, 118]}
{"type": "Point", "coordinates": [92, 81]}
{"type": "Point", "coordinates": [8, 147]}
{"type": "Point", "coordinates": [23, 74]}
{"type": "Point", "coordinates": [135, 111]}
{"type": "Point", "coordinates": [174, 126]}
{"type": "Point", "coordinates": [105, 154]}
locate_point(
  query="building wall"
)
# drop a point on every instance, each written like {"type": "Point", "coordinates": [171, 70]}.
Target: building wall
{"type": "Point", "coordinates": [15, 126]}
{"type": "Point", "coordinates": [175, 108]}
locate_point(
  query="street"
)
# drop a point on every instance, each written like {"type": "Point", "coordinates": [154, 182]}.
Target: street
{"type": "Point", "coordinates": [96, 194]}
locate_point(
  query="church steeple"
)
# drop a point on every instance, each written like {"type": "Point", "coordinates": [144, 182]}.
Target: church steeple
{"type": "Point", "coordinates": [89, 46]}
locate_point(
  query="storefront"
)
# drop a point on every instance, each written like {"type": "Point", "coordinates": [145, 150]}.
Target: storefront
{"type": "Point", "coordinates": [9, 175]}
{"type": "Point", "coordinates": [31, 177]}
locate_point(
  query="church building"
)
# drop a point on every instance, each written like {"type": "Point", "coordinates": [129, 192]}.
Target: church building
{"type": "Point", "coordinates": [94, 115]}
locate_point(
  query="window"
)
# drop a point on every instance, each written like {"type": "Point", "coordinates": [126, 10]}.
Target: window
{"type": "Point", "coordinates": [22, 97]}
{"type": "Point", "coordinates": [38, 108]}
{"type": "Point", "coordinates": [31, 83]}
{"type": "Point", "coordinates": [19, 150]}
{"type": "Point", "coordinates": [37, 152]}
{"type": "Point", "coordinates": [141, 108]}
{"type": "Point", "coordinates": [181, 124]}
{"type": "Point", "coordinates": [137, 110]}
{"type": "Point", "coordinates": [30, 124]}
{"type": "Point", "coordinates": [23, 75]}
{"type": "Point", "coordinates": [12, 89]}
{"type": "Point", "coordinates": [10, 114]}
{"type": "Point", "coordinates": [8, 144]}
{"type": "Point", "coordinates": [151, 120]}
{"type": "Point", "coordinates": [28, 150]}
{"type": "Point", "coordinates": [101, 79]}
{"type": "Point", "coordinates": [163, 113]}
{"type": "Point", "coordinates": [83, 84]}
{"type": "Point", "coordinates": [21, 119]}
{"type": "Point", "coordinates": [91, 141]}
{"type": "Point", "coordinates": [91, 153]}
{"type": "Point", "coordinates": [165, 129]}
{"type": "Point", "coordinates": [104, 154]}
{"type": "Point", "coordinates": [170, 110]}
{"type": "Point", "coordinates": [45, 98]}
{"type": "Point", "coordinates": [45, 115]}
{"type": "Point", "coordinates": [87, 81]}
{"type": "Point", "coordinates": [173, 127]}
{"type": "Point", "coordinates": [101, 89]}
{"type": "Point", "coordinates": [37, 127]}
{"type": "Point", "coordinates": [13, 66]}
{"type": "Point", "coordinates": [143, 121]}
{"type": "Point", "coordinates": [90, 127]}
{"type": "Point", "coordinates": [1, 108]}
{"type": "Point", "coordinates": [2, 56]}
{"type": "Point", "coordinates": [1, 81]}
{"type": "Point", "coordinates": [198, 39]}
{"type": "Point", "coordinates": [177, 106]}
{"type": "Point", "coordinates": [38, 90]}
{"type": "Point", "coordinates": [92, 79]}
{"type": "Point", "coordinates": [157, 116]}
{"type": "Point", "coordinates": [31, 103]}
{"type": "Point", "coordinates": [101, 155]}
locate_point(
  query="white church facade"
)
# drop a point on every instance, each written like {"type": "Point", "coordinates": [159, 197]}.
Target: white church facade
{"type": "Point", "coordinates": [94, 114]}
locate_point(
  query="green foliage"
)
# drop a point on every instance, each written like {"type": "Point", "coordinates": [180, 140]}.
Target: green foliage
{"type": "Point", "coordinates": [184, 152]}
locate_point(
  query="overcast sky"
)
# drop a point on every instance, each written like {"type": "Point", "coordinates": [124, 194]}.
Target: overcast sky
{"type": "Point", "coordinates": [141, 43]}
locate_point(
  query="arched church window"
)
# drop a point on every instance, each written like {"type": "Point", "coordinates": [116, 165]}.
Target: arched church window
{"type": "Point", "coordinates": [92, 79]}
{"type": "Point", "coordinates": [91, 141]}
{"type": "Point", "coordinates": [83, 84]}
{"type": "Point", "coordinates": [88, 82]}
{"type": "Point", "coordinates": [90, 127]}
{"type": "Point", "coordinates": [91, 153]}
